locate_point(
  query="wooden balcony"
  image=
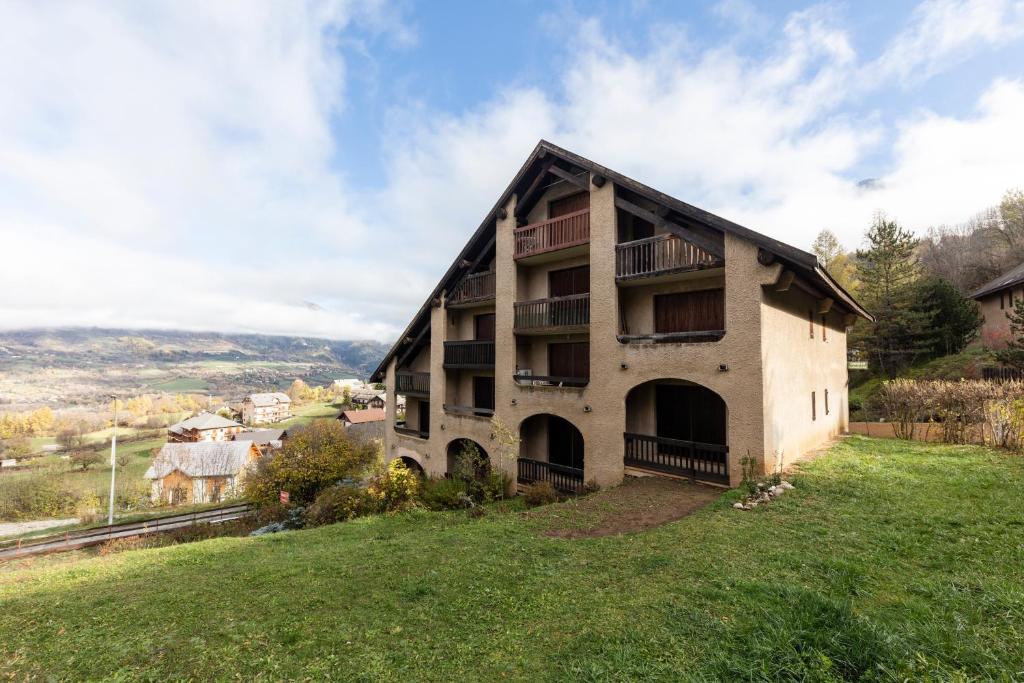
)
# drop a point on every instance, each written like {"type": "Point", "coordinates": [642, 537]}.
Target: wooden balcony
{"type": "Point", "coordinates": [550, 381]}
{"type": "Point", "coordinates": [468, 411]}
{"type": "Point", "coordinates": [474, 289]}
{"type": "Point", "coordinates": [564, 232]}
{"type": "Point", "coordinates": [565, 479]}
{"type": "Point", "coordinates": [400, 428]}
{"type": "Point", "coordinates": [416, 384]}
{"type": "Point", "coordinates": [660, 255]}
{"type": "Point", "coordinates": [557, 314]}
{"type": "Point", "coordinates": [469, 355]}
{"type": "Point", "coordinates": [705, 461]}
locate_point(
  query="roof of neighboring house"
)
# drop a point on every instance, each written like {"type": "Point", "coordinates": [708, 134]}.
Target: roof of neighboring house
{"type": "Point", "coordinates": [261, 436]}
{"type": "Point", "coordinates": [268, 399]}
{"type": "Point", "coordinates": [1012, 277]}
{"type": "Point", "coordinates": [203, 459]}
{"type": "Point", "coordinates": [360, 416]}
{"type": "Point", "coordinates": [367, 394]}
{"type": "Point", "coordinates": [203, 421]}
{"type": "Point", "coordinates": [802, 263]}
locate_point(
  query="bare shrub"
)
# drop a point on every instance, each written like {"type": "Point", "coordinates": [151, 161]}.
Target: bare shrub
{"type": "Point", "coordinates": [539, 493]}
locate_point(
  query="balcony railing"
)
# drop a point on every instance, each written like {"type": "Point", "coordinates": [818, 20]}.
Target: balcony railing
{"type": "Point", "coordinates": [472, 355]}
{"type": "Point", "coordinates": [706, 461]}
{"type": "Point", "coordinates": [570, 230]}
{"type": "Point", "coordinates": [473, 289]}
{"type": "Point", "coordinates": [469, 411]}
{"type": "Point", "coordinates": [412, 383]}
{"type": "Point", "coordinates": [557, 312]}
{"type": "Point", "coordinates": [660, 255]}
{"type": "Point", "coordinates": [550, 381]}
{"type": "Point", "coordinates": [565, 479]}
{"type": "Point", "coordinates": [407, 431]}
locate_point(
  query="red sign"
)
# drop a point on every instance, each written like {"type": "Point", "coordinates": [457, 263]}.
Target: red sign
{"type": "Point", "coordinates": [284, 497]}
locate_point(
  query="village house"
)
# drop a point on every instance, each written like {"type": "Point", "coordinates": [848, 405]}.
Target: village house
{"type": "Point", "coordinates": [266, 408]}
{"type": "Point", "coordinates": [203, 472]}
{"type": "Point", "coordinates": [203, 427]}
{"type": "Point", "coordinates": [369, 398]}
{"type": "Point", "coordinates": [264, 438]}
{"type": "Point", "coordinates": [995, 300]}
{"type": "Point", "coordinates": [367, 423]}
{"type": "Point", "coordinates": [614, 330]}
{"type": "Point", "coordinates": [349, 382]}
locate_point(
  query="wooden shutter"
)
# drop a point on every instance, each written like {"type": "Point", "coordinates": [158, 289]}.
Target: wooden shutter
{"type": "Point", "coordinates": [569, 281]}
{"type": "Point", "coordinates": [689, 311]}
{"type": "Point", "coordinates": [483, 327]}
{"type": "Point", "coordinates": [570, 204]}
{"type": "Point", "coordinates": [570, 359]}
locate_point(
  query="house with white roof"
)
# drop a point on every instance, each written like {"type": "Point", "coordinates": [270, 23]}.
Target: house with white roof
{"type": "Point", "coordinates": [203, 427]}
{"type": "Point", "coordinates": [200, 472]}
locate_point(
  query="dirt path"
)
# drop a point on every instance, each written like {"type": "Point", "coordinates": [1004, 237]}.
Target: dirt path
{"type": "Point", "coordinates": [18, 528]}
{"type": "Point", "coordinates": [638, 504]}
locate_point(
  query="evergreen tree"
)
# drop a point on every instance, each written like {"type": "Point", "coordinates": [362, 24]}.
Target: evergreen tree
{"type": "Point", "coordinates": [955, 319]}
{"type": "Point", "coordinates": [1013, 354]}
{"type": "Point", "coordinates": [888, 271]}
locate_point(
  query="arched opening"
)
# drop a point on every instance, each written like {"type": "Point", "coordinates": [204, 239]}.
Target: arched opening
{"type": "Point", "coordinates": [551, 449]}
{"type": "Point", "coordinates": [412, 465]}
{"type": "Point", "coordinates": [468, 459]}
{"type": "Point", "coordinates": [677, 427]}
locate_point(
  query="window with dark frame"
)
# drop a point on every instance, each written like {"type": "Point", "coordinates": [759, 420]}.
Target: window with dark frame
{"type": "Point", "coordinates": [824, 330]}
{"type": "Point", "coordinates": [826, 402]}
{"type": "Point", "coordinates": [702, 311]}
{"type": "Point", "coordinates": [810, 321]}
{"type": "Point", "coordinates": [483, 392]}
{"type": "Point", "coordinates": [814, 407]}
{"type": "Point", "coordinates": [569, 360]}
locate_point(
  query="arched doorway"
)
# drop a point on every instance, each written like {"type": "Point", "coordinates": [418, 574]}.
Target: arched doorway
{"type": "Point", "coordinates": [551, 449]}
{"type": "Point", "coordinates": [677, 427]}
{"type": "Point", "coordinates": [468, 459]}
{"type": "Point", "coordinates": [412, 465]}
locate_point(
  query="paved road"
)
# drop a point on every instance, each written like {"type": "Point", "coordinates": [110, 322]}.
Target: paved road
{"type": "Point", "coordinates": [18, 528]}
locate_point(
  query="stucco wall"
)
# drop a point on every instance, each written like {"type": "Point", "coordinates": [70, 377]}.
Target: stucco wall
{"type": "Point", "coordinates": [637, 301]}
{"type": "Point", "coordinates": [995, 332]}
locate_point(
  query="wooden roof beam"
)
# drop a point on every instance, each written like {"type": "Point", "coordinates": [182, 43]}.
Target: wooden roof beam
{"type": "Point", "coordinates": [579, 181]}
{"type": "Point", "coordinates": [684, 232]}
{"type": "Point", "coordinates": [536, 188]}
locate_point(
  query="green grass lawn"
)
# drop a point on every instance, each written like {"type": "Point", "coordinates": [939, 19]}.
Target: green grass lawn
{"type": "Point", "coordinates": [888, 561]}
{"type": "Point", "coordinates": [181, 385]}
{"type": "Point", "coordinates": [306, 413]}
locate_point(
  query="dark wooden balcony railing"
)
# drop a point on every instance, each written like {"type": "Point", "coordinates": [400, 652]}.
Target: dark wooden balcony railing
{"type": "Point", "coordinates": [407, 431]}
{"type": "Point", "coordinates": [473, 288]}
{"type": "Point", "coordinates": [570, 230]}
{"type": "Point", "coordinates": [470, 411]}
{"type": "Point", "coordinates": [548, 380]}
{"type": "Point", "coordinates": [469, 354]}
{"type": "Point", "coordinates": [692, 459]}
{"type": "Point", "coordinates": [412, 383]}
{"type": "Point", "coordinates": [560, 311]}
{"type": "Point", "coordinates": [660, 255]}
{"type": "Point", "coordinates": [566, 479]}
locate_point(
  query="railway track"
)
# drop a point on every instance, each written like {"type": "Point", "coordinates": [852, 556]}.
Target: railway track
{"type": "Point", "coordinates": [73, 540]}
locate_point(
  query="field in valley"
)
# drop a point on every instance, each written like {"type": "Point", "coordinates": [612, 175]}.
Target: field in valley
{"type": "Point", "coordinates": [889, 560]}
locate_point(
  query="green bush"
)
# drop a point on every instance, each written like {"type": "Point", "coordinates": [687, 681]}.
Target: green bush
{"type": "Point", "coordinates": [340, 503]}
{"type": "Point", "coordinates": [36, 497]}
{"type": "Point", "coordinates": [539, 493]}
{"type": "Point", "coordinates": [313, 458]}
{"type": "Point", "coordinates": [445, 494]}
{"type": "Point", "coordinates": [397, 488]}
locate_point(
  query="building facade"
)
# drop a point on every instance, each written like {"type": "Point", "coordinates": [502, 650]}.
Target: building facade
{"type": "Point", "coordinates": [203, 427]}
{"type": "Point", "coordinates": [202, 472]}
{"type": "Point", "coordinates": [266, 408]}
{"type": "Point", "coordinates": [996, 299]}
{"type": "Point", "coordinates": [607, 328]}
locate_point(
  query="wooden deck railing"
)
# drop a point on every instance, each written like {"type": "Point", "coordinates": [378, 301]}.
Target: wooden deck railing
{"type": "Point", "coordinates": [469, 354]}
{"type": "Point", "coordinates": [692, 459]}
{"type": "Point", "coordinates": [566, 479]}
{"type": "Point", "coordinates": [570, 230]}
{"type": "Point", "coordinates": [412, 383]}
{"type": "Point", "coordinates": [470, 411]}
{"type": "Point", "coordinates": [408, 431]}
{"type": "Point", "coordinates": [549, 380]}
{"type": "Point", "coordinates": [560, 311]}
{"type": "Point", "coordinates": [659, 255]}
{"type": "Point", "coordinates": [475, 287]}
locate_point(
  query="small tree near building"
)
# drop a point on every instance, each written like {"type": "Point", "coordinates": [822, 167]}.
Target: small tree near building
{"type": "Point", "coordinates": [85, 459]}
{"type": "Point", "coordinates": [1013, 355]}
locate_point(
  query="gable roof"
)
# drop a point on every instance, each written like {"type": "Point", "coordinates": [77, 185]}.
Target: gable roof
{"type": "Point", "coordinates": [1010, 278]}
{"type": "Point", "coordinates": [361, 416]}
{"type": "Point", "coordinates": [202, 459]}
{"type": "Point", "coordinates": [268, 399]}
{"type": "Point", "coordinates": [261, 436]}
{"type": "Point", "coordinates": [203, 421]}
{"type": "Point", "coordinates": [803, 263]}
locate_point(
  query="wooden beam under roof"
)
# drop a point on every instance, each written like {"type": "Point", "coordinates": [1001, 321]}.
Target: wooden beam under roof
{"type": "Point", "coordinates": [568, 176]}
{"type": "Point", "coordinates": [412, 347]}
{"type": "Point", "coordinates": [536, 188]}
{"type": "Point", "coordinates": [686, 233]}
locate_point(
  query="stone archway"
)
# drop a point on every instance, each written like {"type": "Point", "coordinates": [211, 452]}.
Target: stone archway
{"type": "Point", "coordinates": [551, 449]}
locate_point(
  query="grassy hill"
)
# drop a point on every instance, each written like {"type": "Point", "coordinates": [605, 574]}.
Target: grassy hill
{"type": "Point", "coordinates": [887, 560]}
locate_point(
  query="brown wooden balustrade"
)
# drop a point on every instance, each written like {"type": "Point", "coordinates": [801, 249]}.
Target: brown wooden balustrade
{"type": "Point", "coordinates": [469, 354]}
{"type": "Point", "coordinates": [473, 289]}
{"type": "Point", "coordinates": [565, 479]}
{"type": "Point", "coordinates": [706, 461]}
{"type": "Point", "coordinates": [412, 383]}
{"type": "Point", "coordinates": [556, 312]}
{"type": "Point", "coordinates": [570, 230]}
{"type": "Point", "coordinates": [550, 381]}
{"type": "Point", "coordinates": [660, 255]}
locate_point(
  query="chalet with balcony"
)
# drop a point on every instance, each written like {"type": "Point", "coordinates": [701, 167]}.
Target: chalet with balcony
{"type": "Point", "coordinates": [615, 330]}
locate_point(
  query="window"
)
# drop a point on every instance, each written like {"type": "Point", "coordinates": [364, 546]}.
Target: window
{"type": "Point", "coordinates": [569, 281]}
{"type": "Point", "coordinates": [569, 360]}
{"type": "Point", "coordinates": [483, 327]}
{"type": "Point", "coordinates": [483, 393]}
{"type": "Point", "coordinates": [826, 401]}
{"type": "Point", "coordinates": [814, 407]}
{"type": "Point", "coordinates": [824, 330]}
{"type": "Point", "coordinates": [689, 311]}
{"type": "Point", "coordinates": [810, 320]}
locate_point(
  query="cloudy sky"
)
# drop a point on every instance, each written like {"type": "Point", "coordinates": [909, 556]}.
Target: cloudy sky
{"type": "Point", "coordinates": [312, 169]}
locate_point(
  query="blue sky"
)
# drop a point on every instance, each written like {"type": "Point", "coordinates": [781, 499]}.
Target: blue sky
{"type": "Point", "coordinates": [291, 167]}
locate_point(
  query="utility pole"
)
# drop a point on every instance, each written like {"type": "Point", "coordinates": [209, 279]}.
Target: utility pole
{"type": "Point", "coordinates": [113, 463]}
